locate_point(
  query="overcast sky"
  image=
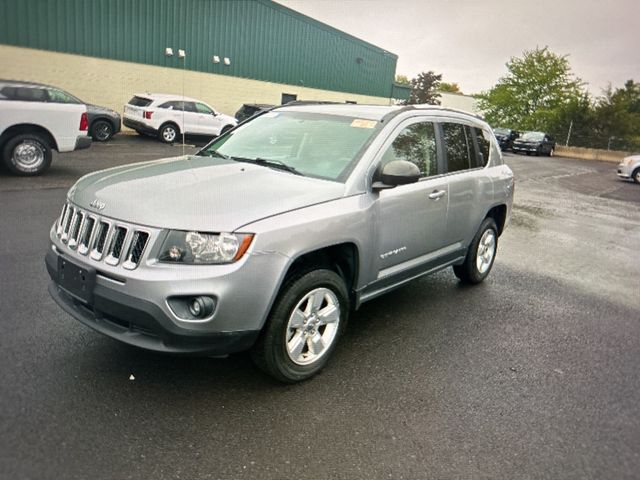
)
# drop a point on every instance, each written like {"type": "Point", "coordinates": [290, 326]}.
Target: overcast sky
{"type": "Point", "coordinates": [469, 41]}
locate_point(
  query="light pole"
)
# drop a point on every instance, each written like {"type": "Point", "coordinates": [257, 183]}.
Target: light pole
{"type": "Point", "coordinates": [182, 55]}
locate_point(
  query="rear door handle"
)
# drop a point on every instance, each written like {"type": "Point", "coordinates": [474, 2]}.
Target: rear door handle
{"type": "Point", "coordinates": [436, 194]}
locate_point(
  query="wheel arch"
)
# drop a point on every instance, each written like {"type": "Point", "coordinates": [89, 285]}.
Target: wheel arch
{"type": "Point", "coordinates": [26, 128]}
{"type": "Point", "coordinates": [170, 122]}
{"type": "Point", "coordinates": [342, 258]}
{"type": "Point", "coordinates": [499, 215]}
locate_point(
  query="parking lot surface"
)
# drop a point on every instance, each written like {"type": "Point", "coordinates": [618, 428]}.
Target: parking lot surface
{"type": "Point", "coordinates": [532, 374]}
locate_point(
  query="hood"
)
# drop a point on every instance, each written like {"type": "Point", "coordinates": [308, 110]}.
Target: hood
{"type": "Point", "coordinates": [526, 142]}
{"type": "Point", "coordinates": [199, 193]}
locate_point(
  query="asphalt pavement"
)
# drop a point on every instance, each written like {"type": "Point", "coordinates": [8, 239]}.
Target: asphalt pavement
{"type": "Point", "coordinates": [533, 374]}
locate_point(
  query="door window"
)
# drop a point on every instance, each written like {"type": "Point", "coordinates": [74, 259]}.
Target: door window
{"type": "Point", "coordinates": [202, 108]}
{"type": "Point", "coordinates": [58, 96]}
{"type": "Point", "coordinates": [188, 106]}
{"type": "Point", "coordinates": [416, 144]}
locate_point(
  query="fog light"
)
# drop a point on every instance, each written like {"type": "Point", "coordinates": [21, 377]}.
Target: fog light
{"type": "Point", "coordinates": [192, 309]}
{"type": "Point", "coordinates": [201, 307]}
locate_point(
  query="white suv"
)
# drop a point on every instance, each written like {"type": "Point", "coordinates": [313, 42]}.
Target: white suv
{"type": "Point", "coordinates": [168, 116]}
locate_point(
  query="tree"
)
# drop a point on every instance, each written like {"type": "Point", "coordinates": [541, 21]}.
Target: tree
{"type": "Point", "coordinates": [402, 80]}
{"type": "Point", "coordinates": [537, 87]}
{"type": "Point", "coordinates": [424, 88]}
{"type": "Point", "coordinates": [617, 116]}
{"type": "Point", "coordinates": [449, 87]}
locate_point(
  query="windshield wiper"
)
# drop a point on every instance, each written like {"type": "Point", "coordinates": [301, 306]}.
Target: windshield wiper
{"type": "Point", "coordinates": [277, 164]}
{"type": "Point", "coordinates": [213, 153]}
{"type": "Point", "coordinates": [271, 163]}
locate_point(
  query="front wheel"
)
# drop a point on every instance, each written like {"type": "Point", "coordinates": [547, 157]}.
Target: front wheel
{"type": "Point", "coordinates": [636, 175]}
{"type": "Point", "coordinates": [28, 154]}
{"type": "Point", "coordinates": [480, 255]}
{"type": "Point", "coordinates": [552, 152]}
{"type": "Point", "coordinates": [304, 326]}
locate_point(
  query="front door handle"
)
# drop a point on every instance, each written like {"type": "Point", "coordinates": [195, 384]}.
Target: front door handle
{"type": "Point", "coordinates": [436, 194]}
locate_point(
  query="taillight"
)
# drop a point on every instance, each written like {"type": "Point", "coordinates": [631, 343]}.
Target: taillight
{"type": "Point", "coordinates": [84, 122]}
{"type": "Point", "coordinates": [147, 115]}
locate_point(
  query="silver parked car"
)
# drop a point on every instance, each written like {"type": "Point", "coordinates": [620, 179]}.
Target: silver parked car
{"type": "Point", "coordinates": [630, 168]}
{"type": "Point", "coordinates": [270, 235]}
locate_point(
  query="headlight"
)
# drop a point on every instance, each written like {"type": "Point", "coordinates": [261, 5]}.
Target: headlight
{"type": "Point", "coordinates": [204, 248]}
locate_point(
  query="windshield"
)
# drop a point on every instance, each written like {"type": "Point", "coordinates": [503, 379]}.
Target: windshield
{"type": "Point", "coordinates": [312, 144]}
{"type": "Point", "coordinates": [501, 131]}
{"type": "Point", "coordinates": [532, 136]}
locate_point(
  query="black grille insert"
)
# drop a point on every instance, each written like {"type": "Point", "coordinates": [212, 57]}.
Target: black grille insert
{"type": "Point", "coordinates": [118, 241]}
{"type": "Point", "coordinates": [138, 243]}
{"type": "Point", "coordinates": [102, 237]}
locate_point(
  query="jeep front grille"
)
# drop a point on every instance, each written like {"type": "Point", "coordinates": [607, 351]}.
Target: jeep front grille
{"type": "Point", "coordinates": [101, 239]}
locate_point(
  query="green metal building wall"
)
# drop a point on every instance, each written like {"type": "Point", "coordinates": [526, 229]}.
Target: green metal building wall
{"type": "Point", "coordinates": [264, 40]}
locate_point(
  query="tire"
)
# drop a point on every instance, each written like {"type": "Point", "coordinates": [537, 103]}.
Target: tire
{"type": "Point", "coordinates": [168, 133]}
{"type": "Point", "coordinates": [636, 175]}
{"type": "Point", "coordinates": [225, 129]}
{"type": "Point", "coordinates": [28, 154]}
{"type": "Point", "coordinates": [480, 255]}
{"type": "Point", "coordinates": [101, 130]}
{"type": "Point", "coordinates": [285, 347]}
{"type": "Point", "coordinates": [552, 152]}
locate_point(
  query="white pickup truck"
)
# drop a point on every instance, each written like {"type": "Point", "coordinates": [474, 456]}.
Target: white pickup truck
{"type": "Point", "coordinates": [34, 119]}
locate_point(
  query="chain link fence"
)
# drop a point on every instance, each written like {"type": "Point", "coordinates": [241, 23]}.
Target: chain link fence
{"type": "Point", "coordinates": [575, 135]}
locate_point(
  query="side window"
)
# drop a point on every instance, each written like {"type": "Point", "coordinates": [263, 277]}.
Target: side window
{"type": "Point", "coordinates": [58, 96]}
{"type": "Point", "coordinates": [188, 106]}
{"type": "Point", "coordinates": [458, 147]}
{"type": "Point", "coordinates": [25, 94]}
{"type": "Point", "coordinates": [483, 146]}
{"type": "Point", "coordinates": [416, 144]}
{"type": "Point", "coordinates": [202, 108]}
{"type": "Point", "coordinates": [168, 105]}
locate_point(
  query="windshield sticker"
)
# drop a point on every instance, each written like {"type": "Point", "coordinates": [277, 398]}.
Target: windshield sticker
{"type": "Point", "coordinates": [361, 123]}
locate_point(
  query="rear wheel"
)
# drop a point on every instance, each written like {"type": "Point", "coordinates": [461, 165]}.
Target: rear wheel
{"type": "Point", "coordinates": [480, 255]}
{"type": "Point", "coordinates": [552, 152]}
{"type": "Point", "coordinates": [304, 326]}
{"type": "Point", "coordinates": [101, 130]}
{"type": "Point", "coordinates": [28, 154]}
{"type": "Point", "coordinates": [168, 133]}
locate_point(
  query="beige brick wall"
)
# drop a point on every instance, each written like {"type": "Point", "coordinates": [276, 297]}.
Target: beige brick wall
{"type": "Point", "coordinates": [112, 83]}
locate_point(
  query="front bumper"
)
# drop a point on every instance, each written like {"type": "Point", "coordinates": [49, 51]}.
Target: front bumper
{"type": "Point", "coordinates": [524, 148]}
{"type": "Point", "coordinates": [83, 142]}
{"type": "Point", "coordinates": [131, 306]}
{"type": "Point", "coordinates": [624, 171]}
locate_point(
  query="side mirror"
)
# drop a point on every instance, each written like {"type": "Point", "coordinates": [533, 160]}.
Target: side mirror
{"type": "Point", "coordinates": [398, 172]}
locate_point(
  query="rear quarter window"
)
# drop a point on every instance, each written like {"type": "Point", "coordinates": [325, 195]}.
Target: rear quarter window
{"type": "Point", "coordinates": [24, 94]}
{"type": "Point", "coordinates": [140, 101]}
{"type": "Point", "coordinates": [457, 146]}
{"type": "Point", "coordinates": [484, 146]}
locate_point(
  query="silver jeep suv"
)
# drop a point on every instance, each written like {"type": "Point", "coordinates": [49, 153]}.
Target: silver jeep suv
{"type": "Point", "coordinates": [269, 236]}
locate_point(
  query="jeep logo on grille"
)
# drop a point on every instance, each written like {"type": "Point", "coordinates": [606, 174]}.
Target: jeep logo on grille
{"type": "Point", "coordinates": [97, 204]}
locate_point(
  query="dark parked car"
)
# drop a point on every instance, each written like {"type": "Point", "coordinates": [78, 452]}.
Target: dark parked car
{"type": "Point", "coordinates": [104, 123]}
{"type": "Point", "coordinates": [505, 137]}
{"type": "Point", "coordinates": [538, 143]}
{"type": "Point", "coordinates": [248, 110]}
